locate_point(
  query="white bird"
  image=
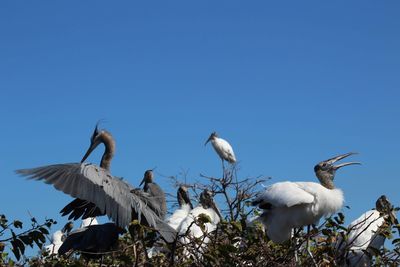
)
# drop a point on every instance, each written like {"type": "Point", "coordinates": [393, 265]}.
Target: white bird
{"type": "Point", "coordinates": [223, 148]}
{"type": "Point", "coordinates": [363, 234]}
{"type": "Point", "coordinates": [190, 228]}
{"type": "Point", "coordinates": [288, 205]}
{"type": "Point", "coordinates": [185, 206]}
{"type": "Point", "coordinates": [58, 238]}
{"type": "Point", "coordinates": [175, 220]}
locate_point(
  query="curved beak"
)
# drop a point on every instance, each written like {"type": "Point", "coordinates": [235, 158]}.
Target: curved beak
{"type": "Point", "coordinates": [208, 140]}
{"type": "Point", "coordinates": [90, 150]}
{"type": "Point", "coordinates": [143, 180]}
{"type": "Point", "coordinates": [331, 161]}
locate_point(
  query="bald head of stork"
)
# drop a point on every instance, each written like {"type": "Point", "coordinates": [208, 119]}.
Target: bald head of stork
{"type": "Point", "coordinates": [183, 196]}
{"type": "Point", "coordinates": [207, 201]}
{"type": "Point", "coordinates": [213, 136]}
{"type": "Point", "coordinates": [326, 170]}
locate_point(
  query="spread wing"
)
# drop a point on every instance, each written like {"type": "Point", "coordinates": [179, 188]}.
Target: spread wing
{"type": "Point", "coordinates": [284, 194]}
{"type": "Point", "coordinates": [112, 196]}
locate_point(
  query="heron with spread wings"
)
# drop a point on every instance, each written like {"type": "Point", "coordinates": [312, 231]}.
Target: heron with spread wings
{"type": "Point", "coordinates": [97, 192]}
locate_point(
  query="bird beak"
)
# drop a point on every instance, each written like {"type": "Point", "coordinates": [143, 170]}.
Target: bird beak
{"type": "Point", "coordinates": [337, 158]}
{"type": "Point", "coordinates": [90, 150]}
{"type": "Point", "coordinates": [208, 140]}
{"type": "Point", "coordinates": [144, 179]}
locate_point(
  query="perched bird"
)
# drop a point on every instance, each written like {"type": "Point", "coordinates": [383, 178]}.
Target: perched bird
{"type": "Point", "coordinates": [58, 238]}
{"type": "Point", "coordinates": [185, 206]}
{"type": "Point", "coordinates": [92, 241]}
{"type": "Point", "coordinates": [98, 192]}
{"type": "Point", "coordinates": [175, 220]}
{"type": "Point", "coordinates": [288, 205]}
{"type": "Point", "coordinates": [223, 148]}
{"type": "Point", "coordinates": [155, 191]}
{"type": "Point", "coordinates": [363, 234]}
{"type": "Point", "coordinates": [206, 207]}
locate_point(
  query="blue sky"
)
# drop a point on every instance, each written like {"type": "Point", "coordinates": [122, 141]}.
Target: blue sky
{"type": "Point", "coordinates": [288, 84]}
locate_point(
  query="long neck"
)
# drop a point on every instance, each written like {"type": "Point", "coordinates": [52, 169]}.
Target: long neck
{"type": "Point", "coordinates": [109, 144]}
{"type": "Point", "coordinates": [326, 182]}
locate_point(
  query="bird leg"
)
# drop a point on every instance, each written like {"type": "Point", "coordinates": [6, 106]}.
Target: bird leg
{"type": "Point", "coordinates": [223, 168]}
{"type": "Point", "coordinates": [308, 246]}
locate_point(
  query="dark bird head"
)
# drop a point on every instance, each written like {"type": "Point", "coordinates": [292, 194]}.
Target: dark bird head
{"type": "Point", "coordinates": [147, 178]}
{"type": "Point", "coordinates": [183, 196]}
{"type": "Point", "coordinates": [384, 207]}
{"type": "Point", "coordinates": [207, 201]}
{"type": "Point", "coordinates": [67, 227]}
{"type": "Point", "coordinates": [325, 170]}
{"type": "Point", "coordinates": [213, 135]}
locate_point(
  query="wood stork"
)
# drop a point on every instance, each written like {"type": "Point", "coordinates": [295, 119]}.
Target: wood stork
{"type": "Point", "coordinates": [223, 149]}
{"type": "Point", "coordinates": [288, 205]}
{"type": "Point", "coordinates": [363, 234]}
{"type": "Point", "coordinates": [58, 238]}
{"type": "Point", "coordinates": [207, 207]}
{"type": "Point", "coordinates": [92, 241]}
{"type": "Point", "coordinates": [155, 191]}
{"type": "Point", "coordinates": [175, 220]}
{"type": "Point", "coordinates": [185, 206]}
{"type": "Point", "coordinates": [98, 192]}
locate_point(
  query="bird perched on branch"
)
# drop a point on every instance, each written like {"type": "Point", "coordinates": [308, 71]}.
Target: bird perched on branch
{"type": "Point", "coordinates": [206, 207]}
{"type": "Point", "coordinates": [185, 206]}
{"type": "Point", "coordinates": [155, 191]}
{"type": "Point", "coordinates": [364, 233]}
{"type": "Point", "coordinates": [58, 238]}
{"type": "Point", "coordinates": [98, 192]}
{"type": "Point", "coordinates": [223, 149]}
{"type": "Point", "coordinates": [288, 205]}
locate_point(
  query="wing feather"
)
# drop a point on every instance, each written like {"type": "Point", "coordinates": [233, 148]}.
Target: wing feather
{"type": "Point", "coordinates": [112, 196]}
{"type": "Point", "coordinates": [284, 194]}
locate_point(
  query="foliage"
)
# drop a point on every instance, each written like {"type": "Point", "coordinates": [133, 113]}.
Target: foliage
{"type": "Point", "coordinates": [238, 240]}
{"type": "Point", "coordinates": [13, 237]}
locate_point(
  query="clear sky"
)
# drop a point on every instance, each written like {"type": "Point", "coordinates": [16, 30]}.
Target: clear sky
{"type": "Point", "coordinates": [287, 83]}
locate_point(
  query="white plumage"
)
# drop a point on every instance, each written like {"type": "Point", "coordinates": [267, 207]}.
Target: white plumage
{"type": "Point", "coordinates": [222, 147]}
{"type": "Point", "coordinates": [296, 204]}
{"type": "Point", "coordinates": [56, 242]}
{"type": "Point", "coordinates": [178, 216]}
{"type": "Point", "coordinates": [190, 229]}
{"type": "Point", "coordinates": [288, 205]}
{"type": "Point", "coordinates": [363, 233]}
{"type": "Point", "coordinates": [89, 221]}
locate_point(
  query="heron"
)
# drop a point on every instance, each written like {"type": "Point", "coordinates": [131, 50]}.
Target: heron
{"type": "Point", "coordinates": [92, 241]}
{"type": "Point", "coordinates": [289, 205]}
{"type": "Point", "coordinates": [154, 190]}
{"type": "Point", "coordinates": [223, 149]}
{"type": "Point", "coordinates": [98, 192]}
{"type": "Point", "coordinates": [57, 239]}
{"type": "Point", "coordinates": [207, 207]}
{"type": "Point", "coordinates": [363, 233]}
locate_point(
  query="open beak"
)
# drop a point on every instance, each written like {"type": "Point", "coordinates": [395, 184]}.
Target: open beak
{"type": "Point", "coordinates": [337, 158]}
{"type": "Point", "coordinates": [90, 150]}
